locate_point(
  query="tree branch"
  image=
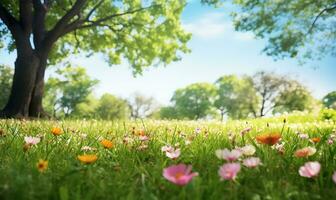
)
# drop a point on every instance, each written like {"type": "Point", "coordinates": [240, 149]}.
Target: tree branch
{"type": "Point", "coordinates": [59, 29]}
{"type": "Point", "coordinates": [26, 18]}
{"type": "Point", "coordinates": [12, 24]}
{"type": "Point", "coordinates": [333, 6]}
{"type": "Point", "coordinates": [100, 21]}
{"type": "Point", "coordinates": [38, 22]}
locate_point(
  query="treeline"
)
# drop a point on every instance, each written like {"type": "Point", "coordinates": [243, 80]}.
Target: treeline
{"type": "Point", "coordinates": [69, 94]}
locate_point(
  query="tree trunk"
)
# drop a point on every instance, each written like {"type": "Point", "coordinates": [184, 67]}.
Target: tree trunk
{"type": "Point", "coordinates": [36, 108]}
{"type": "Point", "coordinates": [26, 66]}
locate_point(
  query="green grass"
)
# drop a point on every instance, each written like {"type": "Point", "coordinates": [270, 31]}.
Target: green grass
{"type": "Point", "coordinates": [125, 172]}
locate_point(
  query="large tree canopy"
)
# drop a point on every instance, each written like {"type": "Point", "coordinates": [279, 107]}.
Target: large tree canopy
{"type": "Point", "coordinates": [292, 27]}
{"type": "Point", "coordinates": [144, 33]}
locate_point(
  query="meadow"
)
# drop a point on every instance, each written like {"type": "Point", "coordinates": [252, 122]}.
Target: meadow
{"type": "Point", "coordinates": [79, 159]}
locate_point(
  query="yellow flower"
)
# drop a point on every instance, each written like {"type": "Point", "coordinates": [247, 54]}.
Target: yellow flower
{"type": "Point", "coordinates": [42, 165]}
{"type": "Point", "coordinates": [56, 131]}
{"type": "Point", "coordinates": [107, 143]}
{"type": "Point", "coordinates": [87, 159]}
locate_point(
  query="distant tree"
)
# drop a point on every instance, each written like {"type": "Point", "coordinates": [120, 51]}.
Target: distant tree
{"type": "Point", "coordinates": [169, 112]}
{"type": "Point", "coordinates": [141, 106]}
{"type": "Point", "coordinates": [290, 26]}
{"type": "Point", "coordinates": [293, 97]}
{"type": "Point", "coordinates": [70, 88]}
{"type": "Point", "coordinates": [329, 100]}
{"type": "Point", "coordinates": [268, 86]}
{"type": "Point", "coordinates": [86, 109]}
{"type": "Point", "coordinates": [279, 94]}
{"type": "Point", "coordinates": [194, 101]}
{"type": "Point", "coordinates": [234, 96]}
{"type": "Point", "coordinates": [111, 108]}
{"type": "Point", "coordinates": [6, 75]}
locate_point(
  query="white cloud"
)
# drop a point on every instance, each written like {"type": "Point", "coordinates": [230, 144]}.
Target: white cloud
{"type": "Point", "coordinates": [215, 25]}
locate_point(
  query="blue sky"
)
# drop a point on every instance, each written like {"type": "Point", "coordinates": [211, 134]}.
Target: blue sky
{"type": "Point", "coordinates": [216, 50]}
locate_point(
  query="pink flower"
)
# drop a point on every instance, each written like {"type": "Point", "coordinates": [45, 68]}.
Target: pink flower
{"type": "Point", "coordinates": [330, 141]}
{"type": "Point", "coordinates": [310, 169]}
{"type": "Point", "coordinates": [32, 140]}
{"type": "Point", "coordinates": [229, 171]}
{"type": "Point", "coordinates": [228, 155]}
{"type": "Point", "coordinates": [179, 174]}
{"type": "Point", "coordinates": [173, 153]}
{"type": "Point", "coordinates": [334, 177]}
{"type": "Point", "coordinates": [246, 130]}
{"type": "Point", "coordinates": [167, 148]}
{"type": "Point", "coordinates": [251, 162]}
{"type": "Point", "coordinates": [303, 136]}
{"type": "Point", "coordinates": [143, 138]}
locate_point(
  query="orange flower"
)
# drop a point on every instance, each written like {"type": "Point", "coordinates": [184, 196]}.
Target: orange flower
{"type": "Point", "coordinates": [316, 139]}
{"type": "Point", "coordinates": [42, 165]}
{"type": "Point", "coordinates": [305, 152]}
{"type": "Point", "coordinates": [141, 133]}
{"type": "Point", "coordinates": [56, 131]}
{"type": "Point", "coordinates": [87, 159]}
{"type": "Point", "coordinates": [107, 143]}
{"type": "Point", "coordinates": [268, 138]}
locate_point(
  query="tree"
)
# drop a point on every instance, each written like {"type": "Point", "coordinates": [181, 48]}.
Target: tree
{"type": "Point", "coordinates": [86, 109]}
{"type": "Point", "coordinates": [279, 94]}
{"type": "Point", "coordinates": [268, 87]}
{"type": "Point", "coordinates": [169, 112]}
{"type": "Point", "coordinates": [294, 97]}
{"type": "Point", "coordinates": [290, 26]}
{"type": "Point", "coordinates": [111, 108]}
{"type": "Point", "coordinates": [142, 106]}
{"type": "Point", "coordinates": [194, 101]}
{"type": "Point", "coordinates": [234, 96]}
{"type": "Point", "coordinates": [45, 32]}
{"type": "Point", "coordinates": [71, 88]}
{"type": "Point", "coordinates": [6, 74]}
{"type": "Point", "coordinates": [329, 100]}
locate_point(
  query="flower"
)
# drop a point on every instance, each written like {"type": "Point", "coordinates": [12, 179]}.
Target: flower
{"type": "Point", "coordinates": [142, 147]}
{"type": "Point", "coordinates": [334, 177]}
{"type": "Point", "coordinates": [228, 155]}
{"type": "Point", "coordinates": [42, 165]}
{"type": "Point", "coordinates": [87, 158]}
{"type": "Point", "coordinates": [246, 130]}
{"type": "Point", "coordinates": [248, 150]}
{"type": "Point", "coordinates": [179, 174]}
{"type": "Point", "coordinates": [32, 140]}
{"type": "Point", "coordinates": [174, 153]}
{"type": "Point", "coordinates": [167, 148]}
{"type": "Point", "coordinates": [143, 138]}
{"type": "Point", "coordinates": [316, 139]}
{"type": "Point", "coordinates": [198, 130]}
{"type": "Point", "coordinates": [107, 143]}
{"type": "Point", "coordinates": [305, 152]}
{"type": "Point", "coordinates": [303, 136]}
{"type": "Point", "coordinates": [268, 138]}
{"type": "Point", "coordinates": [251, 162]}
{"type": "Point", "coordinates": [87, 148]}
{"type": "Point", "coordinates": [229, 171]}
{"type": "Point", "coordinates": [56, 131]}
{"type": "Point", "coordinates": [310, 169]}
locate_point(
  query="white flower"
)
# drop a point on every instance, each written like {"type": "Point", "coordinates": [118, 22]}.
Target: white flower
{"type": "Point", "coordinates": [228, 155]}
{"type": "Point", "coordinates": [32, 140]}
{"type": "Point", "coordinates": [174, 153]}
{"type": "Point", "coordinates": [251, 162]}
{"type": "Point", "coordinates": [87, 148]}
{"type": "Point", "coordinates": [167, 148]}
{"type": "Point", "coordinates": [248, 150]}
